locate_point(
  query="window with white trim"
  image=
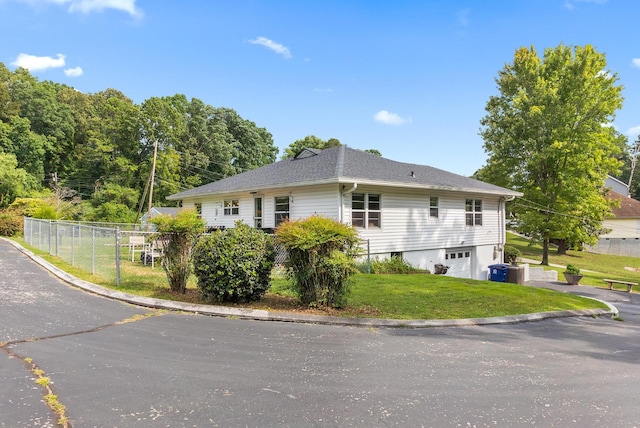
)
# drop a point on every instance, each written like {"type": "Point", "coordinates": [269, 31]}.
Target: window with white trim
{"type": "Point", "coordinates": [231, 207]}
{"type": "Point", "coordinates": [365, 210]}
{"type": "Point", "coordinates": [281, 209]}
{"type": "Point", "coordinates": [434, 208]}
{"type": "Point", "coordinates": [473, 212]}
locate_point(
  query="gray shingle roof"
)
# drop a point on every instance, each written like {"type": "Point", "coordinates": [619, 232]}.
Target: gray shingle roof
{"type": "Point", "coordinates": [343, 165]}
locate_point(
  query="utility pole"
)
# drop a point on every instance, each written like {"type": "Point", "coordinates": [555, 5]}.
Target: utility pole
{"type": "Point", "coordinates": [153, 173]}
{"type": "Point", "coordinates": [634, 157]}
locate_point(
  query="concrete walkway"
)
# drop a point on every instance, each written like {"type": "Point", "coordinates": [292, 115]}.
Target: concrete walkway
{"type": "Point", "coordinates": [264, 315]}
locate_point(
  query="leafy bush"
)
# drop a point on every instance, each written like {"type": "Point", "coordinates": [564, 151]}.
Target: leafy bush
{"type": "Point", "coordinates": [234, 265]}
{"type": "Point", "coordinates": [179, 234]}
{"type": "Point", "coordinates": [511, 254]}
{"type": "Point", "coordinates": [46, 212]}
{"type": "Point", "coordinates": [10, 223]}
{"type": "Point", "coordinates": [27, 206]}
{"type": "Point", "coordinates": [321, 258]}
{"type": "Point", "coordinates": [572, 270]}
{"type": "Point", "coordinates": [393, 264]}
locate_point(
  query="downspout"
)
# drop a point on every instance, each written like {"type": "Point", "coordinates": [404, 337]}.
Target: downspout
{"type": "Point", "coordinates": [346, 192]}
{"type": "Point", "coordinates": [502, 210]}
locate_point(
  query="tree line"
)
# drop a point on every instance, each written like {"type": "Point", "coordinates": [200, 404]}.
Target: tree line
{"type": "Point", "coordinates": [95, 149]}
{"type": "Point", "coordinates": [67, 154]}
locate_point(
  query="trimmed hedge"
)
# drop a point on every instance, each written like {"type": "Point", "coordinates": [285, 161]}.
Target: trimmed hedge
{"type": "Point", "coordinates": [234, 265]}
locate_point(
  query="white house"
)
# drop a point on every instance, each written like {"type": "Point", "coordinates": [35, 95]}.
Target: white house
{"type": "Point", "coordinates": [424, 214]}
{"type": "Point", "coordinates": [623, 238]}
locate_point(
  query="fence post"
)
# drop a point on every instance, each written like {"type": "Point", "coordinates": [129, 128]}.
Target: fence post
{"type": "Point", "coordinates": [93, 250]}
{"type": "Point", "coordinates": [50, 228]}
{"type": "Point", "coordinates": [117, 256]}
{"type": "Point", "coordinates": [39, 234]}
{"type": "Point", "coordinates": [57, 240]}
{"type": "Point", "coordinates": [73, 245]}
{"type": "Point", "coordinates": [368, 256]}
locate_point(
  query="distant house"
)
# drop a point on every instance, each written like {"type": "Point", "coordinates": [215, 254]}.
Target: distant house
{"type": "Point", "coordinates": [423, 214]}
{"type": "Point", "coordinates": [156, 211]}
{"type": "Point", "coordinates": [624, 237]}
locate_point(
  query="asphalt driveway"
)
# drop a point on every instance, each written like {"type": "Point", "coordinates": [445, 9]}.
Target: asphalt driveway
{"type": "Point", "coordinates": [117, 365]}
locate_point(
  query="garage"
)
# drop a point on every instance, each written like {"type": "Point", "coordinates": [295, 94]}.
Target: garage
{"type": "Point", "coordinates": [459, 262]}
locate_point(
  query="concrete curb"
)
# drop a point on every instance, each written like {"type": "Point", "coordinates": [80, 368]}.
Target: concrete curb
{"type": "Point", "coordinates": [262, 315]}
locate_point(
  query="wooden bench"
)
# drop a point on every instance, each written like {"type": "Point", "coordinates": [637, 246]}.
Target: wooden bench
{"type": "Point", "coordinates": [615, 281]}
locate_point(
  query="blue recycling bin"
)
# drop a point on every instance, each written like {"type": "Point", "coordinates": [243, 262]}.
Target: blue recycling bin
{"type": "Point", "coordinates": [498, 273]}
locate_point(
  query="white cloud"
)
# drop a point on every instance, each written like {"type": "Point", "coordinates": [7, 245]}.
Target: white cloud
{"type": "Point", "coordinates": [325, 90]}
{"type": "Point", "coordinates": [88, 6]}
{"type": "Point", "coordinates": [634, 132]}
{"type": "Point", "coordinates": [74, 72]}
{"type": "Point", "coordinates": [635, 62]}
{"type": "Point", "coordinates": [389, 118]}
{"type": "Point", "coordinates": [37, 63]}
{"type": "Point", "coordinates": [274, 46]}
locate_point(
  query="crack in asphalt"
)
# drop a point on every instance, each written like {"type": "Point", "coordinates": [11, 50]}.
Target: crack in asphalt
{"type": "Point", "coordinates": [48, 393]}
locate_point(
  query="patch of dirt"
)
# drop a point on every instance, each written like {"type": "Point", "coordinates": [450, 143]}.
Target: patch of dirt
{"type": "Point", "coordinates": [277, 303]}
{"type": "Point", "coordinates": [632, 269]}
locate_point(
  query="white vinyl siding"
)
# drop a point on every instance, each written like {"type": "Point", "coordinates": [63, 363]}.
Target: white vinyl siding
{"type": "Point", "coordinates": [303, 202]}
{"type": "Point", "coordinates": [408, 227]}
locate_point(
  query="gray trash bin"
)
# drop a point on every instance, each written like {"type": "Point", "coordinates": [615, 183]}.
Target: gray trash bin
{"type": "Point", "coordinates": [515, 275]}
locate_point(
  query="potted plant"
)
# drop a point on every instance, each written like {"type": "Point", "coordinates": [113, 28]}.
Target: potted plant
{"type": "Point", "coordinates": [511, 255]}
{"type": "Point", "coordinates": [572, 275]}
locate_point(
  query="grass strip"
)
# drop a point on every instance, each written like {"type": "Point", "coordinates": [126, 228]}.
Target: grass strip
{"type": "Point", "coordinates": [417, 296]}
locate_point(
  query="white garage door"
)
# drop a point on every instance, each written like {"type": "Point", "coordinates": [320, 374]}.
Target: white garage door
{"type": "Point", "coordinates": [459, 262]}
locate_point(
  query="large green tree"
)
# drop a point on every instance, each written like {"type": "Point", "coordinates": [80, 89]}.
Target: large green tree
{"type": "Point", "coordinates": [14, 182]}
{"type": "Point", "coordinates": [548, 134]}
{"type": "Point", "coordinates": [61, 137]}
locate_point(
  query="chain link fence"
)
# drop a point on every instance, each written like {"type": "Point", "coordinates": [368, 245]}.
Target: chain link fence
{"type": "Point", "coordinates": [95, 249]}
{"type": "Point", "coordinates": [100, 248]}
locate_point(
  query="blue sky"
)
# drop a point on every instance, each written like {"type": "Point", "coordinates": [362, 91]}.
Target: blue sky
{"type": "Point", "coordinates": [408, 78]}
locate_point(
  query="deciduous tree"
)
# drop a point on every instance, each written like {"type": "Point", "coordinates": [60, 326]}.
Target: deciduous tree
{"type": "Point", "coordinates": [548, 134]}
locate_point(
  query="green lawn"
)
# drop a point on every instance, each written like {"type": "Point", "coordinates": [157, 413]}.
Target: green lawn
{"type": "Point", "coordinates": [417, 296]}
{"type": "Point", "coordinates": [594, 267]}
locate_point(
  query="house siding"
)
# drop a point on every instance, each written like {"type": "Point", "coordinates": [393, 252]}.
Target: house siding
{"type": "Point", "coordinates": [303, 202]}
{"type": "Point", "coordinates": [405, 223]}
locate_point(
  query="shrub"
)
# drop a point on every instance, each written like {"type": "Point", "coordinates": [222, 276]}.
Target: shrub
{"type": "Point", "coordinates": [10, 223]}
{"type": "Point", "coordinates": [572, 270]}
{"type": "Point", "coordinates": [234, 265]}
{"type": "Point", "coordinates": [179, 234]}
{"type": "Point", "coordinates": [393, 264]}
{"type": "Point", "coordinates": [321, 258]}
{"type": "Point", "coordinates": [511, 254]}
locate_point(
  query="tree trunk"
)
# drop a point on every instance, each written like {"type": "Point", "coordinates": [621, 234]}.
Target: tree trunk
{"type": "Point", "coordinates": [545, 251]}
{"type": "Point", "coordinates": [562, 247]}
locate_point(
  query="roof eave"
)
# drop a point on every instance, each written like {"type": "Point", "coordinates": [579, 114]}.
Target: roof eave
{"type": "Point", "coordinates": [343, 180]}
